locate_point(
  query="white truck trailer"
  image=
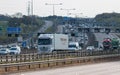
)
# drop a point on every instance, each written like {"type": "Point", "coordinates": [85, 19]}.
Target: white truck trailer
{"type": "Point", "coordinates": [48, 43]}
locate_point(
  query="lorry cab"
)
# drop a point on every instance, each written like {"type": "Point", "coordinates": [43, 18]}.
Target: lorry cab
{"type": "Point", "coordinates": [45, 44]}
{"type": "Point", "coordinates": [74, 46]}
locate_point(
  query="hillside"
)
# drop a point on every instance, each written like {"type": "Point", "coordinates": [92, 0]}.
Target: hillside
{"type": "Point", "coordinates": [108, 19]}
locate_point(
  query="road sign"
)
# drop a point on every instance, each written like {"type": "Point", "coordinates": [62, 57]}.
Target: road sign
{"type": "Point", "coordinates": [20, 39]}
{"type": "Point", "coordinates": [24, 44]}
{"type": "Point", "coordinates": [66, 18]}
{"type": "Point", "coordinates": [13, 30]}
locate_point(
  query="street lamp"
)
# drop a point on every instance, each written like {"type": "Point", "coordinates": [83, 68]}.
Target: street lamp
{"type": "Point", "coordinates": [32, 7]}
{"type": "Point", "coordinates": [76, 14]}
{"type": "Point", "coordinates": [54, 25]}
{"type": "Point", "coordinates": [84, 32]}
{"type": "Point", "coordinates": [53, 7]}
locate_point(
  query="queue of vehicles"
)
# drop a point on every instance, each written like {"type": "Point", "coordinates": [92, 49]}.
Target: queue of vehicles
{"type": "Point", "coordinates": [52, 43]}
{"type": "Point", "coordinates": [14, 49]}
{"type": "Point", "coordinates": [49, 43]}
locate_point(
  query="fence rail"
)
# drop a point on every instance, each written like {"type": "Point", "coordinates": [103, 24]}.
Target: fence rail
{"type": "Point", "coordinates": [6, 59]}
{"type": "Point", "coordinates": [26, 66]}
{"type": "Point", "coordinates": [26, 62]}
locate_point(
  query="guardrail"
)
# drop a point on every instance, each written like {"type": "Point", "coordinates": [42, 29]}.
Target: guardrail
{"type": "Point", "coordinates": [25, 66]}
{"type": "Point", "coordinates": [6, 59]}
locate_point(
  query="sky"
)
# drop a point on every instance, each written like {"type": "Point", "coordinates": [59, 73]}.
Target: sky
{"type": "Point", "coordinates": [88, 8]}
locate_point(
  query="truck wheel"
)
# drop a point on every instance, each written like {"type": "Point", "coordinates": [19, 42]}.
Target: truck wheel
{"type": "Point", "coordinates": [54, 52]}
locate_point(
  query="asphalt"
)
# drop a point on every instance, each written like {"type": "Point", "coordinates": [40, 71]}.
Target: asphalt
{"type": "Point", "coordinates": [107, 68]}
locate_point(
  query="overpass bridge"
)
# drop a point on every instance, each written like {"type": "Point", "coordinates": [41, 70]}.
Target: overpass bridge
{"type": "Point", "coordinates": [99, 29]}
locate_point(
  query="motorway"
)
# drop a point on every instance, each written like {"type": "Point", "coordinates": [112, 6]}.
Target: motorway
{"type": "Point", "coordinates": [106, 68]}
{"type": "Point", "coordinates": [46, 26]}
{"type": "Point", "coordinates": [101, 36]}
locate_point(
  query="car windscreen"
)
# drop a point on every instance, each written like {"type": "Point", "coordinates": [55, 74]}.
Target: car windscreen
{"type": "Point", "coordinates": [45, 41]}
{"type": "Point", "coordinates": [72, 46]}
{"type": "Point", "coordinates": [3, 50]}
{"type": "Point", "coordinates": [106, 43]}
{"type": "Point", "coordinates": [13, 49]}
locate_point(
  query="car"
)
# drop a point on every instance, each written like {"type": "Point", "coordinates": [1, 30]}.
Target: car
{"type": "Point", "coordinates": [74, 46]}
{"type": "Point", "coordinates": [14, 46]}
{"type": "Point", "coordinates": [4, 51]}
{"type": "Point", "coordinates": [90, 48]}
{"type": "Point", "coordinates": [15, 50]}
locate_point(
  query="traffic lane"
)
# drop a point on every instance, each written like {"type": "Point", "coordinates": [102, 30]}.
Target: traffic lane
{"type": "Point", "coordinates": [46, 26]}
{"type": "Point", "coordinates": [108, 68]}
{"type": "Point", "coordinates": [101, 36]}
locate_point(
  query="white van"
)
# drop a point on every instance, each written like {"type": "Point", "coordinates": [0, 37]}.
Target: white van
{"type": "Point", "coordinates": [74, 46]}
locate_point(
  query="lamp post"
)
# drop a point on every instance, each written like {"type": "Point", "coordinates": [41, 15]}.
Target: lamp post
{"type": "Point", "coordinates": [84, 32]}
{"type": "Point", "coordinates": [75, 22]}
{"type": "Point", "coordinates": [54, 25]}
{"type": "Point", "coordinates": [32, 7]}
{"type": "Point", "coordinates": [53, 6]}
{"type": "Point", "coordinates": [76, 16]}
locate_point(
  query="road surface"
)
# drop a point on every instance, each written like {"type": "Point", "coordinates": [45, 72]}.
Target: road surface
{"type": "Point", "coordinates": [46, 26]}
{"type": "Point", "coordinates": [107, 68]}
{"type": "Point", "coordinates": [101, 36]}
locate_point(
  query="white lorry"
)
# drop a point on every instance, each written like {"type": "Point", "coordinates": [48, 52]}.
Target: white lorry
{"type": "Point", "coordinates": [48, 43]}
